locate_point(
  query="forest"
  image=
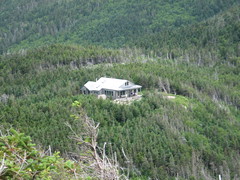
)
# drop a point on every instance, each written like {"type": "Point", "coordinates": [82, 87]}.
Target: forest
{"type": "Point", "coordinates": [108, 23]}
{"type": "Point", "coordinates": [191, 53]}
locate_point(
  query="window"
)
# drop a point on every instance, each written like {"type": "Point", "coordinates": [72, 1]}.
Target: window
{"type": "Point", "coordinates": [109, 93]}
{"type": "Point", "coordinates": [126, 83]}
{"type": "Point", "coordinates": [94, 92]}
{"type": "Point", "coordinates": [122, 93]}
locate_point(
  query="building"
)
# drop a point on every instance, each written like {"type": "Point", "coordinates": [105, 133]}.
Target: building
{"type": "Point", "coordinates": [111, 87]}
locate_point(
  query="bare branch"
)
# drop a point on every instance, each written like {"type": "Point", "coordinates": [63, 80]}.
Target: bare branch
{"type": "Point", "coordinates": [98, 164]}
{"type": "Point", "coordinates": [2, 167]}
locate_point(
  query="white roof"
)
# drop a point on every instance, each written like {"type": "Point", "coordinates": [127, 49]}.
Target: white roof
{"type": "Point", "coordinates": [92, 86]}
{"type": "Point", "coordinates": [111, 84]}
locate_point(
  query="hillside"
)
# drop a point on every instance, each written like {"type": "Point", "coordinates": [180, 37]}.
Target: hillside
{"type": "Point", "coordinates": [205, 43]}
{"type": "Point", "coordinates": [31, 23]}
{"type": "Point", "coordinates": [162, 138]}
{"type": "Point", "coordinates": [21, 159]}
{"type": "Point", "coordinates": [190, 53]}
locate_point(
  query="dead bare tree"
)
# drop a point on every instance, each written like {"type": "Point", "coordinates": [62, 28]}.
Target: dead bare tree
{"type": "Point", "coordinates": [2, 166]}
{"type": "Point", "coordinates": [161, 85]}
{"type": "Point", "coordinates": [93, 159]}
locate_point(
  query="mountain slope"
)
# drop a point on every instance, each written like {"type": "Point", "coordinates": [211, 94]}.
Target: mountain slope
{"type": "Point", "coordinates": [195, 135]}
{"type": "Point", "coordinates": [103, 22]}
{"type": "Point", "coordinates": [214, 40]}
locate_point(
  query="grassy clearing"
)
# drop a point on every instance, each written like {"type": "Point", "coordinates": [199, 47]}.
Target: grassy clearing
{"type": "Point", "coordinates": [182, 100]}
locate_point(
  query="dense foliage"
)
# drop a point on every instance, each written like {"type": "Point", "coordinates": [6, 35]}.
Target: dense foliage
{"type": "Point", "coordinates": [30, 23]}
{"type": "Point", "coordinates": [162, 138]}
{"type": "Point", "coordinates": [21, 160]}
{"type": "Point", "coordinates": [193, 136]}
{"type": "Point", "coordinates": [37, 79]}
{"type": "Point", "coordinates": [204, 43]}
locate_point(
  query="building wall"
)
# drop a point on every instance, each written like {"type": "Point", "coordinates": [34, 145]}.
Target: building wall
{"type": "Point", "coordinates": [110, 93]}
{"type": "Point", "coordinates": [84, 90]}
